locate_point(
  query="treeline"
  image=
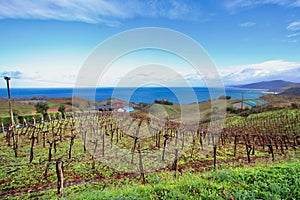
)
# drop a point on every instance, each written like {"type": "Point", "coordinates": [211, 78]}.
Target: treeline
{"type": "Point", "coordinates": [164, 101]}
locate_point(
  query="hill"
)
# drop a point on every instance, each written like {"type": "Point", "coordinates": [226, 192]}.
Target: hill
{"type": "Point", "coordinates": [295, 91]}
{"type": "Point", "coordinates": [271, 86]}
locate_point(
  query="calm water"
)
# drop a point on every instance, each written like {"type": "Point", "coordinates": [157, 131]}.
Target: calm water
{"type": "Point", "coordinates": [145, 94]}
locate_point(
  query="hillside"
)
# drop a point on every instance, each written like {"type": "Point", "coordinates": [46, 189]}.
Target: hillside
{"type": "Point", "coordinates": [271, 86]}
{"type": "Point", "coordinates": [295, 91]}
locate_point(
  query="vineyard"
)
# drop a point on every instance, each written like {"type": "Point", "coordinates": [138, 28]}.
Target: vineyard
{"type": "Point", "coordinates": [106, 148]}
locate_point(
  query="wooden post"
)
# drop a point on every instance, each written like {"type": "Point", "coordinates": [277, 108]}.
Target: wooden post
{"type": "Point", "coordinates": [15, 142]}
{"type": "Point", "coordinates": [84, 141]}
{"type": "Point", "coordinates": [12, 122]}
{"type": "Point", "coordinates": [215, 156]}
{"type": "Point", "coordinates": [193, 146]}
{"type": "Point", "coordinates": [158, 142]}
{"type": "Point", "coordinates": [8, 136]}
{"type": "Point", "coordinates": [93, 162]}
{"type": "Point", "coordinates": [176, 162]}
{"type": "Point", "coordinates": [60, 176]}
{"type": "Point", "coordinates": [96, 144]}
{"type": "Point", "coordinates": [71, 145]}
{"type": "Point", "coordinates": [103, 143]}
{"type": "Point", "coordinates": [50, 151]}
{"type": "Point", "coordinates": [271, 151]}
{"type": "Point", "coordinates": [248, 150]}
{"type": "Point", "coordinates": [281, 146]}
{"type": "Point", "coordinates": [31, 147]}
{"type": "Point", "coordinates": [46, 170]}
{"type": "Point", "coordinates": [176, 137]}
{"type": "Point", "coordinates": [235, 144]}
{"type": "Point", "coordinates": [54, 145]}
{"type": "Point", "coordinates": [141, 165]}
{"type": "Point", "coordinates": [44, 137]}
{"type": "Point", "coordinates": [182, 144]}
{"type": "Point", "coordinates": [166, 136]}
{"type": "Point", "coordinates": [133, 148]}
{"type": "Point", "coordinates": [200, 140]}
{"type": "Point", "coordinates": [111, 138]}
{"type": "Point", "coordinates": [117, 135]}
{"type": "Point", "coordinates": [253, 149]}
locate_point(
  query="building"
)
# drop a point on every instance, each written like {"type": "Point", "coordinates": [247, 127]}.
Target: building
{"type": "Point", "coordinates": [248, 104]}
{"type": "Point", "coordinates": [118, 104]}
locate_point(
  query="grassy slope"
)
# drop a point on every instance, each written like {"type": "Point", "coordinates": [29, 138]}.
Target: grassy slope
{"type": "Point", "coordinates": [174, 111]}
{"type": "Point", "coordinates": [22, 108]}
{"type": "Point", "coordinates": [28, 108]}
{"type": "Point", "coordinates": [276, 182]}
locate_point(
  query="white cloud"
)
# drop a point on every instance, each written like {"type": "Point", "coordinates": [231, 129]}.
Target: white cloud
{"type": "Point", "coordinates": [247, 24]}
{"type": "Point", "coordinates": [294, 26]}
{"type": "Point", "coordinates": [237, 4]}
{"type": "Point", "coordinates": [16, 74]}
{"type": "Point", "coordinates": [241, 74]}
{"type": "Point", "coordinates": [94, 11]}
{"type": "Point", "coordinates": [44, 70]}
{"type": "Point", "coordinates": [269, 70]}
{"type": "Point", "coordinates": [293, 35]}
{"type": "Point", "coordinates": [277, 2]}
{"type": "Point", "coordinates": [234, 5]}
{"type": "Point", "coordinates": [296, 4]}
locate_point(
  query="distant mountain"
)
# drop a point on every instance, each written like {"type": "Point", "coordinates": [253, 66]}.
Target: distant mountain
{"type": "Point", "coordinates": [295, 91]}
{"type": "Point", "coordinates": [271, 86]}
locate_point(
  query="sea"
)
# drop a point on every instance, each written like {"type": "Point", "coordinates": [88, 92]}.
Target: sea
{"type": "Point", "coordinates": [181, 95]}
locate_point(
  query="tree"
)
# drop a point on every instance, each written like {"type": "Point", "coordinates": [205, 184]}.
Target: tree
{"type": "Point", "coordinates": [62, 109]}
{"type": "Point", "coordinates": [16, 112]}
{"type": "Point", "coordinates": [41, 107]}
{"type": "Point", "coordinates": [223, 97]}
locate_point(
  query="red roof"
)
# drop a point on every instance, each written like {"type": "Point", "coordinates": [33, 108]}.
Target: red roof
{"type": "Point", "coordinates": [117, 104]}
{"type": "Point", "coordinates": [50, 110]}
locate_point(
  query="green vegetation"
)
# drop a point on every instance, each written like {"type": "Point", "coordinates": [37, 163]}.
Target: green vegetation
{"type": "Point", "coordinates": [224, 97]}
{"type": "Point", "coordinates": [275, 182]}
{"type": "Point", "coordinates": [62, 109]}
{"type": "Point", "coordinates": [17, 107]}
{"type": "Point", "coordinates": [164, 101]}
{"type": "Point", "coordinates": [291, 91]}
{"type": "Point", "coordinates": [41, 107]}
{"type": "Point", "coordinates": [269, 170]}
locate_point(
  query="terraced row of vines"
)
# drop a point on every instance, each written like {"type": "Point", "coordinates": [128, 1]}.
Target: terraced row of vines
{"type": "Point", "coordinates": [104, 147]}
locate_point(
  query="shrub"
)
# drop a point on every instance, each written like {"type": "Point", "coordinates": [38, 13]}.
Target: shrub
{"type": "Point", "coordinates": [29, 118]}
{"type": "Point", "coordinates": [231, 109]}
{"type": "Point", "coordinates": [223, 97]}
{"type": "Point", "coordinates": [6, 120]}
{"type": "Point", "coordinates": [296, 105]}
{"type": "Point", "coordinates": [164, 101]}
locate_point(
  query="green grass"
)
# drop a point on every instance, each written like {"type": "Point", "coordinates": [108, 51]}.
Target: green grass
{"type": "Point", "coordinates": [275, 182]}
{"type": "Point", "coordinates": [193, 111]}
{"type": "Point", "coordinates": [21, 108]}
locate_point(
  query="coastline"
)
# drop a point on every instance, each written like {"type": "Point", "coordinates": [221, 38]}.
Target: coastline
{"type": "Point", "coordinates": [145, 94]}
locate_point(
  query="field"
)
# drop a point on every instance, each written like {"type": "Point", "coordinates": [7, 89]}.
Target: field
{"type": "Point", "coordinates": [92, 155]}
{"type": "Point", "coordinates": [26, 106]}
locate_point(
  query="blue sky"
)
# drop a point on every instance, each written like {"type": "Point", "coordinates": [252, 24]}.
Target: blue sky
{"type": "Point", "coordinates": [45, 43]}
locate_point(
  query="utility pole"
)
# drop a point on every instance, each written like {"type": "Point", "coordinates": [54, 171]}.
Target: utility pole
{"type": "Point", "coordinates": [9, 101]}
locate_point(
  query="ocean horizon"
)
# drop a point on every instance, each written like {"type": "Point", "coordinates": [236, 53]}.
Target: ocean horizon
{"type": "Point", "coordinates": [142, 94]}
